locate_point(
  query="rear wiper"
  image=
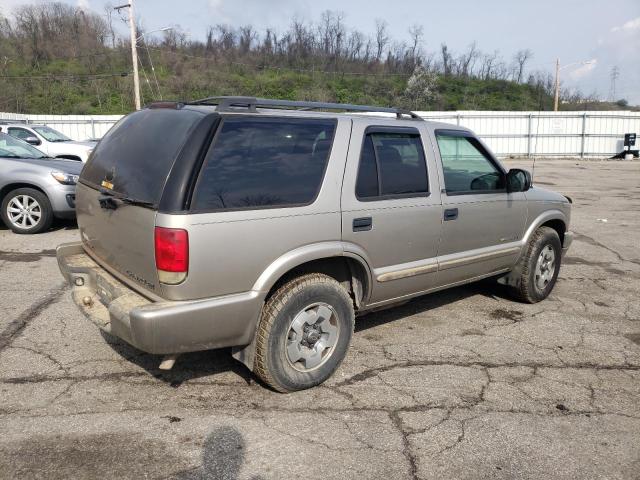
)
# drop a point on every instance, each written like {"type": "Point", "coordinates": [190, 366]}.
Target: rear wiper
{"type": "Point", "coordinates": [112, 197]}
{"type": "Point", "coordinates": [139, 203]}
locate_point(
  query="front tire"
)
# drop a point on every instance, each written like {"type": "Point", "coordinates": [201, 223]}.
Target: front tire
{"type": "Point", "coordinates": [304, 333]}
{"type": "Point", "coordinates": [27, 211]}
{"type": "Point", "coordinates": [539, 266]}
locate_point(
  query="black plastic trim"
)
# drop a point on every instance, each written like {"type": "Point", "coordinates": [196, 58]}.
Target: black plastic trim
{"type": "Point", "coordinates": [176, 196]}
{"type": "Point", "coordinates": [362, 224]}
{"type": "Point", "coordinates": [225, 104]}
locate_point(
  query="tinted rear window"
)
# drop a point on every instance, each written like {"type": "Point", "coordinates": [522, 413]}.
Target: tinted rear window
{"type": "Point", "coordinates": [264, 162]}
{"type": "Point", "coordinates": [137, 154]}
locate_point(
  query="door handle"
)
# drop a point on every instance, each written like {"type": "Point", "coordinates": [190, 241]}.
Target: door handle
{"type": "Point", "coordinates": [362, 224]}
{"type": "Point", "coordinates": [450, 214]}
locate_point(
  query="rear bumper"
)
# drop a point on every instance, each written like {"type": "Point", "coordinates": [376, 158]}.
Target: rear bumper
{"type": "Point", "coordinates": [568, 240]}
{"type": "Point", "coordinates": [156, 327]}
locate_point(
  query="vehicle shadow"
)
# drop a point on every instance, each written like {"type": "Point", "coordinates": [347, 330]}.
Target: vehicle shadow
{"type": "Point", "coordinates": [486, 288]}
{"type": "Point", "coordinates": [190, 366]}
{"type": "Point", "coordinates": [58, 224]}
{"type": "Point", "coordinates": [64, 224]}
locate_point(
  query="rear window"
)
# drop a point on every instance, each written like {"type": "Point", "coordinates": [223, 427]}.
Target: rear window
{"type": "Point", "coordinates": [264, 162]}
{"type": "Point", "coordinates": [135, 157]}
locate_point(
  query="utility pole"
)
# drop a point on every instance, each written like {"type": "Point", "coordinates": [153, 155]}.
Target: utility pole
{"type": "Point", "coordinates": [134, 52]}
{"type": "Point", "coordinates": [557, 87]}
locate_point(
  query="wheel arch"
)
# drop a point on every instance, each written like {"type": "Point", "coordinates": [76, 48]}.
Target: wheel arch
{"type": "Point", "coordinates": [555, 219]}
{"type": "Point", "coordinates": [5, 189]}
{"type": "Point", "coordinates": [330, 258]}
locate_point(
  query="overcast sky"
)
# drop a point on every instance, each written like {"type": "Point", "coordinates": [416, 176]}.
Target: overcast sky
{"type": "Point", "coordinates": [604, 32]}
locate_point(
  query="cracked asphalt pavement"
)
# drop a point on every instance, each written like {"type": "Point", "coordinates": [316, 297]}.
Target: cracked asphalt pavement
{"type": "Point", "coordinates": [462, 384]}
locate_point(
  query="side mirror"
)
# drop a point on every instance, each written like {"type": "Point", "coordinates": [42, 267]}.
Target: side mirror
{"type": "Point", "coordinates": [32, 140]}
{"type": "Point", "coordinates": [518, 180]}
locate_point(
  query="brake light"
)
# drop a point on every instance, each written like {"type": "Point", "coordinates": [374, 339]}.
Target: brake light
{"type": "Point", "coordinates": [172, 254]}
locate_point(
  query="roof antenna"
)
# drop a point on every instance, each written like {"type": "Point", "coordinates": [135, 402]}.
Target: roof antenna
{"type": "Point", "coordinates": [535, 146]}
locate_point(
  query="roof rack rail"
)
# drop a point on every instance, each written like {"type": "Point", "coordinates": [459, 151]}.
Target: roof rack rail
{"type": "Point", "coordinates": [251, 103]}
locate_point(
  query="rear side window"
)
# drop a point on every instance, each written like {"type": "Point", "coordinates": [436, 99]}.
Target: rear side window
{"type": "Point", "coordinates": [135, 157]}
{"type": "Point", "coordinates": [20, 133]}
{"type": "Point", "coordinates": [391, 165]}
{"type": "Point", "coordinates": [264, 162]}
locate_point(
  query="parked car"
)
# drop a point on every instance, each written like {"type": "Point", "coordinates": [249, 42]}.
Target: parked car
{"type": "Point", "coordinates": [267, 226]}
{"type": "Point", "coordinates": [50, 141]}
{"type": "Point", "coordinates": [34, 189]}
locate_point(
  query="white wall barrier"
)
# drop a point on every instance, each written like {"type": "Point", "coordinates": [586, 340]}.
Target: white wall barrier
{"type": "Point", "coordinates": [549, 134]}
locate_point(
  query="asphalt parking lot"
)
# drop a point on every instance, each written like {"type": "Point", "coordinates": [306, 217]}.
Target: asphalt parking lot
{"type": "Point", "coordinates": [464, 384]}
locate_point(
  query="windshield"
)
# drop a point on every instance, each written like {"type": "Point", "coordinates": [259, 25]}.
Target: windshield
{"type": "Point", "coordinates": [51, 135]}
{"type": "Point", "coordinates": [13, 148]}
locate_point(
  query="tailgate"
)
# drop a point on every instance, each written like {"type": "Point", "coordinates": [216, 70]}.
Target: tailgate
{"type": "Point", "coordinates": [120, 239]}
{"type": "Point", "coordinates": [132, 161]}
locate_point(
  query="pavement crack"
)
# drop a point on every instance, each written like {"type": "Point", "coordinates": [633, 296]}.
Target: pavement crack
{"type": "Point", "coordinates": [372, 372]}
{"type": "Point", "coordinates": [592, 241]}
{"type": "Point", "coordinates": [14, 328]}
{"type": "Point", "coordinates": [396, 420]}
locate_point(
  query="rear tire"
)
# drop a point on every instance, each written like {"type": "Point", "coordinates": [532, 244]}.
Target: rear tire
{"type": "Point", "coordinates": [304, 333]}
{"type": "Point", "coordinates": [26, 211]}
{"type": "Point", "coordinates": [539, 266]}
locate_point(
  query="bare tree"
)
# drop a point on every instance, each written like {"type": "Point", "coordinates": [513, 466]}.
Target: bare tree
{"type": "Point", "coordinates": [521, 58]}
{"type": "Point", "coordinates": [416, 33]}
{"type": "Point", "coordinates": [446, 60]}
{"type": "Point", "coordinates": [108, 10]}
{"type": "Point", "coordinates": [247, 36]}
{"type": "Point", "coordinates": [382, 38]}
{"type": "Point", "coordinates": [488, 63]}
{"type": "Point", "coordinates": [468, 60]}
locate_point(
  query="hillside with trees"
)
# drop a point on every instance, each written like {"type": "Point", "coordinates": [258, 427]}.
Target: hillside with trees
{"type": "Point", "coordinates": [57, 59]}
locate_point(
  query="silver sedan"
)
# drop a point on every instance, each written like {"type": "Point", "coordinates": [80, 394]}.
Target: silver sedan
{"type": "Point", "coordinates": [34, 189]}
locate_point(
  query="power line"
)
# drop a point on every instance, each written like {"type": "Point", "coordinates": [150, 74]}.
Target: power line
{"type": "Point", "coordinates": [70, 57]}
{"type": "Point", "coordinates": [88, 76]}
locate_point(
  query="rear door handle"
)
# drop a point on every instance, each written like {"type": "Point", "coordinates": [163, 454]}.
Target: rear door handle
{"type": "Point", "coordinates": [362, 224]}
{"type": "Point", "coordinates": [450, 214]}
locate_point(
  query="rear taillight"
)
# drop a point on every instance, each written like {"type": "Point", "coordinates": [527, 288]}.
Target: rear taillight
{"type": "Point", "coordinates": [172, 254]}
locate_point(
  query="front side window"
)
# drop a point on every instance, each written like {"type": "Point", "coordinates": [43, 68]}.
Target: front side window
{"type": "Point", "coordinates": [466, 166]}
{"type": "Point", "coordinates": [264, 163]}
{"type": "Point", "coordinates": [51, 135]}
{"type": "Point", "coordinates": [391, 165]}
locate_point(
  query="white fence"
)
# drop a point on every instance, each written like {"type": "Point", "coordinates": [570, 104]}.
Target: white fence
{"type": "Point", "coordinates": [552, 134]}
{"type": "Point", "coordinates": [77, 127]}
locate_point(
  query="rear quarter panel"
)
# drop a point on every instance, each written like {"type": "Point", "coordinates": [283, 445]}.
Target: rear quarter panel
{"type": "Point", "coordinates": [229, 251]}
